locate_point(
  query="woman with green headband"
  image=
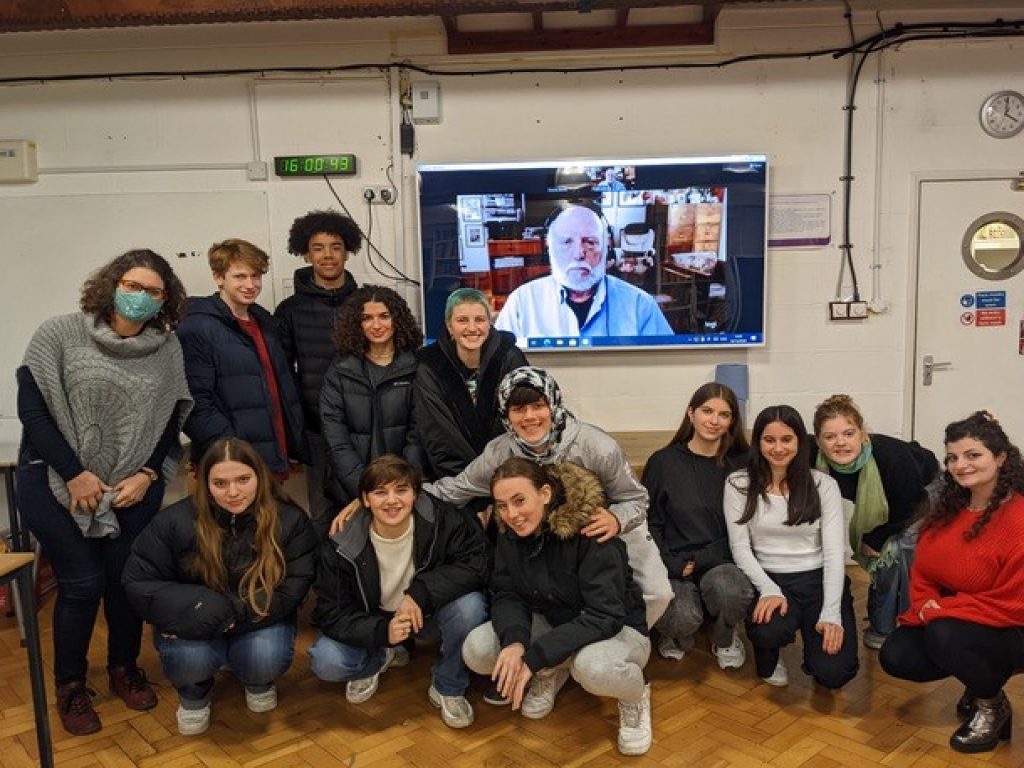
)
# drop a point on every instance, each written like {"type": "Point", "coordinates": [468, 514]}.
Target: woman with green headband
{"type": "Point", "coordinates": [882, 480]}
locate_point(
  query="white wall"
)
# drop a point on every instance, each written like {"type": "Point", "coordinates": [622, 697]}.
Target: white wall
{"type": "Point", "coordinates": [928, 97]}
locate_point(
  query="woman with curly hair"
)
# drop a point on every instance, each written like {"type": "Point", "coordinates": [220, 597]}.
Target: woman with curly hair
{"type": "Point", "coordinates": [220, 576]}
{"type": "Point", "coordinates": [366, 400]}
{"type": "Point", "coordinates": [102, 398]}
{"type": "Point", "coordinates": [966, 617]}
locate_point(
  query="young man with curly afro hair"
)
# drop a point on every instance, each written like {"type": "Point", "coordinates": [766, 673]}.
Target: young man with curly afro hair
{"type": "Point", "coordinates": [326, 240]}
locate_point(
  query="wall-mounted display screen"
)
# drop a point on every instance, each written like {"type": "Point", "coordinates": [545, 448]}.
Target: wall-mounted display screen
{"type": "Point", "coordinates": [602, 254]}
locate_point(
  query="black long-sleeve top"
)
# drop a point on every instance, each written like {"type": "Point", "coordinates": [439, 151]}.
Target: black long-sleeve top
{"type": "Point", "coordinates": [685, 516]}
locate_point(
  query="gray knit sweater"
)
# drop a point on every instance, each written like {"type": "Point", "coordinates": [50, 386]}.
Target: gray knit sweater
{"type": "Point", "coordinates": [111, 398]}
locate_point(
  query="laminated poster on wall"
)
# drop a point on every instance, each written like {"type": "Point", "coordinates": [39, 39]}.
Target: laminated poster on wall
{"type": "Point", "coordinates": [799, 221]}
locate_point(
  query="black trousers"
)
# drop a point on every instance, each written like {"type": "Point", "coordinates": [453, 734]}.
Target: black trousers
{"type": "Point", "coordinates": [982, 658]}
{"type": "Point", "coordinates": [804, 597]}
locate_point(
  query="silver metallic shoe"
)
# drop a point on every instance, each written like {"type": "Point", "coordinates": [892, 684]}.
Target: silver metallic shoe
{"type": "Point", "coordinates": [991, 723]}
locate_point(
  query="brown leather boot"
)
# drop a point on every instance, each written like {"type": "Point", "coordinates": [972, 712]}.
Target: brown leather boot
{"type": "Point", "coordinates": [74, 705]}
{"type": "Point", "coordinates": [991, 723]}
{"type": "Point", "coordinates": [130, 684]}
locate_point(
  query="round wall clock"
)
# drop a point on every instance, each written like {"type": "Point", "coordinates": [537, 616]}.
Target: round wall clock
{"type": "Point", "coordinates": [1002, 114]}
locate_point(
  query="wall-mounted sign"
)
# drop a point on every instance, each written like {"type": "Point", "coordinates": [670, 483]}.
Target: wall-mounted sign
{"type": "Point", "coordinates": [799, 221]}
{"type": "Point", "coordinates": [990, 299]}
{"type": "Point", "coordinates": [990, 317]}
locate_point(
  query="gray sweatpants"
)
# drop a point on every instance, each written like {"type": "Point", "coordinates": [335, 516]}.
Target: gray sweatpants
{"type": "Point", "coordinates": [612, 667]}
{"type": "Point", "coordinates": [724, 593]}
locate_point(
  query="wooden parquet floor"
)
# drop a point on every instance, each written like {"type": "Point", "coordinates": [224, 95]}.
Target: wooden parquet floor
{"type": "Point", "coordinates": [703, 718]}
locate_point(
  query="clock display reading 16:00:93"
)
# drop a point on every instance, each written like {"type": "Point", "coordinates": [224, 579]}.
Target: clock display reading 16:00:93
{"type": "Point", "coordinates": [315, 165]}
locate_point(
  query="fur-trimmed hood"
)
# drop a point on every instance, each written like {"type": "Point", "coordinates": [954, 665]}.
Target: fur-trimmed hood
{"type": "Point", "coordinates": [572, 509]}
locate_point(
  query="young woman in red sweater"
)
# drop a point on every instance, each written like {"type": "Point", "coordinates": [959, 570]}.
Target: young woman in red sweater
{"type": "Point", "coordinates": [966, 618]}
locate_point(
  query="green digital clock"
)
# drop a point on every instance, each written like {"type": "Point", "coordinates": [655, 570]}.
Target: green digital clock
{"type": "Point", "coordinates": [315, 165]}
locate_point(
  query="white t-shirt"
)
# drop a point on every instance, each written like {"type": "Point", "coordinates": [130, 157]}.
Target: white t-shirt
{"type": "Point", "coordinates": [395, 561]}
{"type": "Point", "coordinates": [766, 544]}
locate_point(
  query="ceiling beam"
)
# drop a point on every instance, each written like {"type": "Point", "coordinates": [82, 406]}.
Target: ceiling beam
{"type": "Point", "coordinates": [640, 36]}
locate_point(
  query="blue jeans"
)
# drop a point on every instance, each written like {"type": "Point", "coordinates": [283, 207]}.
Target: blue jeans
{"type": "Point", "coordinates": [87, 571]}
{"type": "Point", "coordinates": [257, 658]}
{"type": "Point", "coordinates": [338, 662]}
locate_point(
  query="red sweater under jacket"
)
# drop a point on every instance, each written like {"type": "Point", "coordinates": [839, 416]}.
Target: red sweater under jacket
{"type": "Point", "coordinates": [981, 580]}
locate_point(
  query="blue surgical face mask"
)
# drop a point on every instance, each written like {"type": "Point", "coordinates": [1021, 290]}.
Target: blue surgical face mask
{"type": "Point", "coordinates": [136, 307]}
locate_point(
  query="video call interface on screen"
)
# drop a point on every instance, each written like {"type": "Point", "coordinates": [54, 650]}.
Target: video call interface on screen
{"type": "Point", "coordinates": [657, 253]}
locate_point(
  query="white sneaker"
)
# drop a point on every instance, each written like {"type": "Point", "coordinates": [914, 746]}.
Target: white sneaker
{"type": "Point", "coordinates": [401, 657]}
{"type": "Point", "coordinates": [261, 702]}
{"type": "Point", "coordinates": [780, 677]}
{"type": "Point", "coordinates": [669, 649]}
{"type": "Point", "coordinates": [358, 691]}
{"type": "Point", "coordinates": [455, 710]}
{"type": "Point", "coordinates": [540, 696]}
{"type": "Point", "coordinates": [731, 656]}
{"type": "Point", "coordinates": [635, 733]}
{"type": "Point", "coordinates": [192, 722]}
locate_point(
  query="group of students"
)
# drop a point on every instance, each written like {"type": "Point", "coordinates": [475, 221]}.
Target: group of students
{"type": "Point", "coordinates": [532, 555]}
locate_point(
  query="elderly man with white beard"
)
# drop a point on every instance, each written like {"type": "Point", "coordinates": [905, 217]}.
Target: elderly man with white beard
{"type": "Point", "coordinates": [577, 299]}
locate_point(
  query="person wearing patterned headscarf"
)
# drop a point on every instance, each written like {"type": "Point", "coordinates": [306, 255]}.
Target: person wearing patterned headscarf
{"type": "Point", "coordinates": [539, 427]}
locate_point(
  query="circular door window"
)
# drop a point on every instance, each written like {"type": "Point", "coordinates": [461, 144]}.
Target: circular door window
{"type": "Point", "coordinates": [993, 246]}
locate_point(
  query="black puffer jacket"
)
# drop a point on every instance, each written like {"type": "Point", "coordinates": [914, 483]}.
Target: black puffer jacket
{"type": "Point", "coordinates": [227, 383]}
{"type": "Point", "coordinates": [307, 321]}
{"type": "Point", "coordinates": [452, 429]}
{"type": "Point", "coordinates": [585, 590]}
{"type": "Point", "coordinates": [163, 591]}
{"type": "Point", "coordinates": [361, 422]}
{"type": "Point", "coordinates": [450, 557]}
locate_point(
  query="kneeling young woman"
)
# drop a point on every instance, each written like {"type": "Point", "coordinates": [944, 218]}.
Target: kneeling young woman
{"type": "Point", "coordinates": [220, 576]}
{"type": "Point", "coordinates": [562, 603]}
{"type": "Point", "coordinates": [787, 535]}
{"type": "Point", "coordinates": [966, 615]}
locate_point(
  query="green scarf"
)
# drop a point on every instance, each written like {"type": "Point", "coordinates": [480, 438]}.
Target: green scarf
{"type": "Point", "coordinates": [870, 508]}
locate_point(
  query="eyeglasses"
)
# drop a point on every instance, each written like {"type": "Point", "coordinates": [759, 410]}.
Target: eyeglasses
{"type": "Point", "coordinates": [132, 287]}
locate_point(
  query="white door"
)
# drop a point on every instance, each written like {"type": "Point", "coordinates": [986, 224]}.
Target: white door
{"type": "Point", "coordinates": [969, 351]}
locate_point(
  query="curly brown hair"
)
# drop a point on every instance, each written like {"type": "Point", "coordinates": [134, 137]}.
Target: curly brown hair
{"type": "Point", "coordinates": [953, 498]}
{"type": "Point", "coordinates": [348, 328]}
{"type": "Point", "coordinates": [98, 290]}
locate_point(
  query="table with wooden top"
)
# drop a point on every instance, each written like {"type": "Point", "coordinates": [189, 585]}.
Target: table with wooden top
{"type": "Point", "coordinates": [17, 566]}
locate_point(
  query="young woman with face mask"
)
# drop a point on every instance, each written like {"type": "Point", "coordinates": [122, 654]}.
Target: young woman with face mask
{"type": "Point", "coordinates": [220, 576]}
{"type": "Point", "coordinates": [102, 398]}
{"type": "Point", "coordinates": [786, 534]}
{"type": "Point", "coordinates": [966, 615]}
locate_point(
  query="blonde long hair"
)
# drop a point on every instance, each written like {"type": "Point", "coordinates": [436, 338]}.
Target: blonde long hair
{"type": "Point", "coordinates": [258, 582]}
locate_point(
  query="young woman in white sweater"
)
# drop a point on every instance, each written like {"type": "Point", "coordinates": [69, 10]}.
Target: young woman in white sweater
{"type": "Point", "coordinates": [786, 533]}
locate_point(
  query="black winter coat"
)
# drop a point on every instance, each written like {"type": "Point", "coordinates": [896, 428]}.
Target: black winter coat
{"type": "Point", "coordinates": [361, 422]}
{"type": "Point", "coordinates": [450, 557]}
{"type": "Point", "coordinates": [585, 590]}
{"type": "Point", "coordinates": [452, 428]}
{"type": "Point", "coordinates": [231, 394]}
{"type": "Point", "coordinates": [163, 591]}
{"type": "Point", "coordinates": [306, 321]}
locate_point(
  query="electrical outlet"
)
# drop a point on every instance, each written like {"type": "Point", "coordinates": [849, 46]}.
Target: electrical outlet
{"type": "Point", "coordinates": [379, 195]}
{"type": "Point", "coordinates": [847, 310]}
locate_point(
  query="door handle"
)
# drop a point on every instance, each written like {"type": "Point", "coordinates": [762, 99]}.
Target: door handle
{"type": "Point", "coordinates": [928, 366]}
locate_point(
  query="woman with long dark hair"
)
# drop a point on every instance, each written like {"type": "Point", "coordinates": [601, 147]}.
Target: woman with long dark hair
{"type": "Point", "coordinates": [882, 480]}
{"type": "Point", "coordinates": [562, 603]}
{"type": "Point", "coordinates": [966, 616]}
{"type": "Point", "coordinates": [220, 576]}
{"type": "Point", "coordinates": [102, 398]}
{"type": "Point", "coordinates": [366, 400]}
{"type": "Point", "coordinates": [787, 535]}
{"type": "Point", "coordinates": [685, 480]}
